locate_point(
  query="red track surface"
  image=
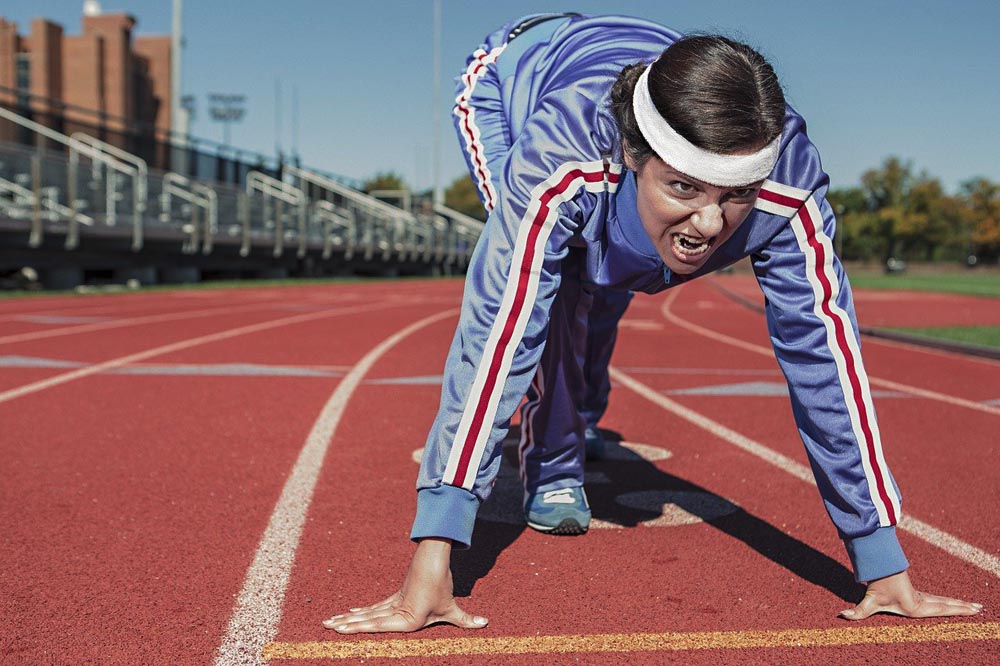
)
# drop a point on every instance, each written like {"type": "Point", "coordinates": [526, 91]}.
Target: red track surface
{"type": "Point", "coordinates": [132, 504]}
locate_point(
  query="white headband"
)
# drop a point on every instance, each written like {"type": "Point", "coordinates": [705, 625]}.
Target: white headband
{"type": "Point", "coordinates": [681, 154]}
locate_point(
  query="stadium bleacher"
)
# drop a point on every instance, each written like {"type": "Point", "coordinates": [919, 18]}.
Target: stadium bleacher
{"type": "Point", "coordinates": [76, 208]}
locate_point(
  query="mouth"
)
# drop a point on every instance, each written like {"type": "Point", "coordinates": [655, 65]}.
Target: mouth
{"type": "Point", "coordinates": [690, 248]}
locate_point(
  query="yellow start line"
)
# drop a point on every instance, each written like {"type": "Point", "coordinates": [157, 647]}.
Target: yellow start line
{"type": "Point", "coordinates": [709, 640]}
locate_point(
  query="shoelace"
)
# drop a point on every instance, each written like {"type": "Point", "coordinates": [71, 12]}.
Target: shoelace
{"type": "Point", "coordinates": [563, 496]}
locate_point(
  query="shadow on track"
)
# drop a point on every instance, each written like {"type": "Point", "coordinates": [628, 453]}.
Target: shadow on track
{"type": "Point", "coordinates": [627, 490]}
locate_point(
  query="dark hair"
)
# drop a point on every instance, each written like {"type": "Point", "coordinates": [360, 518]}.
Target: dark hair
{"type": "Point", "coordinates": [719, 94]}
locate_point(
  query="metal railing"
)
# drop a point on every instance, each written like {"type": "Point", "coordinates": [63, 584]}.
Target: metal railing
{"type": "Point", "coordinates": [42, 202]}
{"type": "Point", "coordinates": [280, 192]}
{"type": "Point", "coordinates": [64, 183]}
{"type": "Point", "coordinates": [105, 171]}
{"type": "Point", "coordinates": [464, 232]}
{"type": "Point", "coordinates": [141, 189]}
{"type": "Point", "coordinates": [334, 219]}
{"type": "Point", "coordinates": [199, 197]}
{"type": "Point", "coordinates": [382, 225]}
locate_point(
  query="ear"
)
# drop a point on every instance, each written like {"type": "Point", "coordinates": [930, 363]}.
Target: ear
{"type": "Point", "coordinates": [630, 162]}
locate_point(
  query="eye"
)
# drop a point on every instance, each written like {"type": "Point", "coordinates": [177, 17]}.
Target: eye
{"type": "Point", "coordinates": [742, 194]}
{"type": "Point", "coordinates": [681, 187]}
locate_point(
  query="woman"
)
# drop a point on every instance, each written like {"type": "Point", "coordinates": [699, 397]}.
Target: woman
{"type": "Point", "coordinates": [601, 172]}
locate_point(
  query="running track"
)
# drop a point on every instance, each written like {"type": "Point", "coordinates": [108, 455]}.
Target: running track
{"type": "Point", "coordinates": [193, 477]}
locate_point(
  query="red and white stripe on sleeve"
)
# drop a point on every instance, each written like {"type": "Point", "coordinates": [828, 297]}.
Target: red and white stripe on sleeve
{"type": "Point", "coordinates": [467, 123]}
{"type": "Point", "coordinates": [515, 309]}
{"type": "Point", "coordinates": [816, 246]}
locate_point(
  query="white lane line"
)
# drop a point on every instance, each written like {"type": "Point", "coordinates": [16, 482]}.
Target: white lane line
{"type": "Point", "coordinates": [56, 310]}
{"type": "Point", "coordinates": [767, 351]}
{"type": "Point", "coordinates": [897, 344]}
{"type": "Point", "coordinates": [758, 306]}
{"type": "Point", "coordinates": [946, 542]}
{"type": "Point", "coordinates": [130, 321]}
{"type": "Point", "coordinates": [638, 370]}
{"type": "Point", "coordinates": [43, 384]}
{"type": "Point", "coordinates": [258, 608]}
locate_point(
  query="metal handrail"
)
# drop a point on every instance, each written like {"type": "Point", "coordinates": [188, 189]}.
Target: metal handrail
{"type": "Point", "coordinates": [333, 186]}
{"type": "Point", "coordinates": [461, 218]}
{"type": "Point", "coordinates": [461, 226]}
{"type": "Point", "coordinates": [283, 192]}
{"type": "Point", "coordinates": [140, 191]}
{"type": "Point", "coordinates": [54, 206]}
{"type": "Point", "coordinates": [198, 194]}
{"type": "Point", "coordinates": [332, 215]}
{"type": "Point", "coordinates": [78, 147]}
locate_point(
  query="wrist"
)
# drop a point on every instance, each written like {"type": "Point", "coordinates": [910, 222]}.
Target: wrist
{"type": "Point", "coordinates": [876, 555]}
{"type": "Point", "coordinates": [434, 545]}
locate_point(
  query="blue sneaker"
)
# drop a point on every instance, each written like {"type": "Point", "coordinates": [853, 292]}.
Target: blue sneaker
{"type": "Point", "coordinates": [593, 442]}
{"type": "Point", "coordinates": [563, 511]}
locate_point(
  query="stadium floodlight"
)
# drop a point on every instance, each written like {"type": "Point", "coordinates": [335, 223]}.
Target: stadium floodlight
{"type": "Point", "coordinates": [227, 109]}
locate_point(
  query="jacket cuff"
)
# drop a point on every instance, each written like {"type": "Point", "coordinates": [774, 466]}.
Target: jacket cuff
{"type": "Point", "coordinates": [876, 555]}
{"type": "Point", "coordinates": [447, 512]}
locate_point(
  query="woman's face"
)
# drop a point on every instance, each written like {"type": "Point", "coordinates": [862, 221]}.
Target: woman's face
{"type": "Point", "coordinates": [686, 218]}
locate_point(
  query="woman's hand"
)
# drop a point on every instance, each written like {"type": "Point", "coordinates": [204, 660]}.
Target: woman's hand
{"type": "Point", "coordinates": [895, 594]}
{"type": "Point", "coordinates": [427, 596]}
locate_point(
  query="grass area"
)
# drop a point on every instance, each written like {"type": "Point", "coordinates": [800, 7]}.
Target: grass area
{"type": "Point", "coordinates": [973, 283]}
{"type": "Point", "coordinates": [984, 336]}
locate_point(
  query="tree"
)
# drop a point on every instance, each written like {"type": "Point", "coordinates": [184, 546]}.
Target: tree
{"type": "Point", "coordinates": [855, 238]}
{"type": "Point", "coordinates": [907, 215]}
{"type": "Point", "coordinates": [462, 196]}
{"type": "Point", "coordinates": [980, 209]}
{"type": "Point", "coordinates": [932, 223]}
{"type": "Point", "coordinates": [385, 180]}
{"type": "Point", "coordinates": [885, 190]}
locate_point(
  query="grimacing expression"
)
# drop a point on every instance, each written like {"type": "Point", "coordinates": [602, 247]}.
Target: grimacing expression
{"type": "Point", "coordinates": [686, 218]}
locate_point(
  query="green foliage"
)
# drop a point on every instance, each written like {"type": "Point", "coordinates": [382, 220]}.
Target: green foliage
{"type": "Point", "coordinates": [898, 213]}
{"type": "Point", "coordinates": [984, 336]}
{"type": "Point", "coordinates": [980, 211]}
{"type": "Point", "coordinates": [960, 281]}
{"type": "Point", "coordinates": [385, 180]}
{"type": "Point", "coordinates": [461, 195]}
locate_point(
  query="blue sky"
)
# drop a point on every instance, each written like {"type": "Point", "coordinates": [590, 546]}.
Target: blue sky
{"type": "Point", "coordinates": [916, 79]}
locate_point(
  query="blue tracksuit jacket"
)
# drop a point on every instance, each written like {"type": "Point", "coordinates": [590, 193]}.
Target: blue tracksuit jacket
{"type": "Point", "coordinates": [533, 116]}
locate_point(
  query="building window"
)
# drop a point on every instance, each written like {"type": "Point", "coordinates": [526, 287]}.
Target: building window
{"type": "Point", "coordinates": [23, 78]}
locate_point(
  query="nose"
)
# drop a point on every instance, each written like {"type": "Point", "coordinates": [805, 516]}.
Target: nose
{"type": "Point", "coordinates": [708, 220]}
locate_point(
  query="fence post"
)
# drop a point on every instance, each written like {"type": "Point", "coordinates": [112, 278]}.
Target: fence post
{"type": "Point", "coordinates": [243, 206]}
{"type": "Point", "coordinates": [302, 228]}
{"type": "Point", "coordinates": [279, 234]}
{"type": "Point", "coordinates": [35, 239]}
{"type": "Point", "coordinates": [73, 229]}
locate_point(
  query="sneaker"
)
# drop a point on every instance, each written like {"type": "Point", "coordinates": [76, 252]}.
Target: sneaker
{"type": "Point", "coordinates": [593, 442]}
{"type": "Point", "coordinates": [563, 511]}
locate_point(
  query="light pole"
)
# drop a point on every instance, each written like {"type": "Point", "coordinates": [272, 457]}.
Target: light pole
{"type": "Point", "coordinates": [437, 102]}
{"type": "Point", "coordinates": [226, 109]}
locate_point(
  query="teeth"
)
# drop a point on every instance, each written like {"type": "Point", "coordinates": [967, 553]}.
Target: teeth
{"type": "Point", "coordinates": [691, 246]}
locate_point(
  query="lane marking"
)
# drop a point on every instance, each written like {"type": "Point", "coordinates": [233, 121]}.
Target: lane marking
{"type": "Point", "coordinates": [952, 355]}
{"type": "Point", "coordinates": [635, 370]}
{"type": "Point", "coordinates": [758, 307]}
{"type": "Point", "coordinates": [757, 389]}
{"type": "Point", "coordinates": [58, 319]}
{"type": "Point", "coordinates": [767, 351]}
{"type": "Point", "coordinates": [257, 611]}
{"type": "Point", "coordinates": [622, 643]}
{"type": "Point", "coordinates": [130, 321]}
{"type": "Point", "coordinates": [205, 369]}
{"type": "Point", "coordinates": [46, 309]}
{"type": "Point", "coordinates": [946, 542]}
{"type": "Point", "coordinates": [658, 508]}
{"type": "Point", "coordinates": [104, 366]}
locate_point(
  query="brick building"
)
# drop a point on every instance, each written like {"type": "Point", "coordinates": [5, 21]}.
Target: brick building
{"type": "Point", "coordinates": [104, 76]}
